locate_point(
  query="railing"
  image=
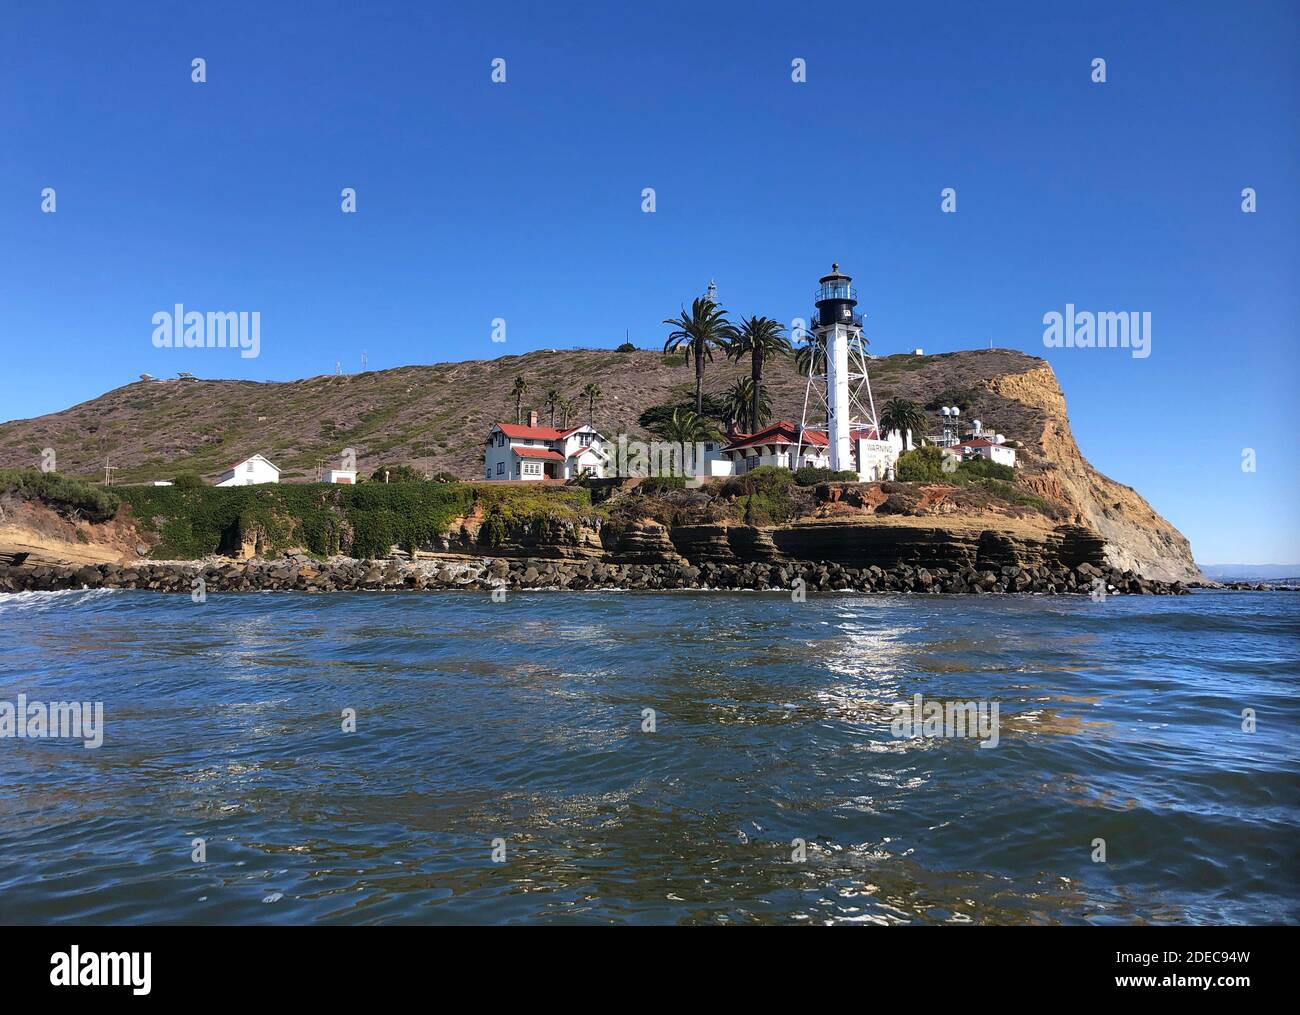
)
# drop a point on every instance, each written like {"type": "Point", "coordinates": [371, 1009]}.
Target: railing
{"type": "Point", "coordinates": [836, 291]}
{"type": "Point", "coordinates": [850, 319]}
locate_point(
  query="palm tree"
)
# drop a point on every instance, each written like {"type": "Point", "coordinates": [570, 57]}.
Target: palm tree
{"type": "Point", "coordinates": [686, 427]}
{"type": "Point", "coordinates": [810, 358]}
{"type": "Point", "coordinates": [552, 402]}
{"type": "Point", "coordinates": [592, 394]}
{"type": "Point", "coordinates": [701, 331]}
{"type": "Point", "coordinates": [738, 405]}
{"type": "Point", "coordinates": [567, 408]}
{"type": "Point", "coordinates": [761, 338]}
{"type": "Point", "coordinates": [902, 415]}
{"type": "Point", "coordinates": [517, 391]}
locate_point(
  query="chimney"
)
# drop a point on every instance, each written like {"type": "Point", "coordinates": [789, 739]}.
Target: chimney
{"type": "Point", "coordinates": [532, 417]}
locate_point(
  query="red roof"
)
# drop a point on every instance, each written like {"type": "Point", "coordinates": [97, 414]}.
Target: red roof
{"type": "Point", "coordinates": [545, 453]}
{"type": "Point", "coordinates": [537, 433]}
{"type": "Point", "coordinates": [780, 432]}
{"type": "Point", "coordinates": [783, 432]}
{"type": "Point", "coordinates": [978, 442]}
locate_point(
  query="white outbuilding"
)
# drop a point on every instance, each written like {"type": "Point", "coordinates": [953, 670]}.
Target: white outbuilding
{"type": "Point", "coordinates": [250, 472]}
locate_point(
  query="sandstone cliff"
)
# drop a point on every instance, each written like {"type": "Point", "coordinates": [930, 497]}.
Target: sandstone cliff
{"type": "Point", "coordinates": [1136, 536]}
{"type": "Point", "coordinates": [435, 418]}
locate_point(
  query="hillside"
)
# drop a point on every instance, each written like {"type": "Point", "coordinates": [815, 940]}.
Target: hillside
{"type": "Point", "coordinates": [436, 418]}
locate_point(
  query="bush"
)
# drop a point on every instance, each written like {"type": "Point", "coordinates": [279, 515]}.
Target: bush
{"type": "Point", "coordinates": [445, 477]}
{"type": "Point", "coordinates": [660, 484]}
{"type": "Point", "coordinates": [983, 468]}
{"type": "Point", "coordinates": [921, 465]}
{"type": "Point", "coordinates": [810, 476]}
{"type": "Point", "coordinates": [72, 498]}
{"type": "Point", "coordinates": [963, 398]}
{"type": "Point", "coordinates": [765, 495]}
{"type": "Point", "coordinates": [396, 474]}
{"type": "Point", "coordinates": [187, 481]}
{"type": "Point", "coordinates": [626, 347]}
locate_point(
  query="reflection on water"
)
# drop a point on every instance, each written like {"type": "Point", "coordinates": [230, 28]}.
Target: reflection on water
{"type": "Point", "coordinates": [771, 790]}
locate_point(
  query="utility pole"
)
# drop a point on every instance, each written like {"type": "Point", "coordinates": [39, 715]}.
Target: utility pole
{"type": "Point", "coordinates": [108, 472]}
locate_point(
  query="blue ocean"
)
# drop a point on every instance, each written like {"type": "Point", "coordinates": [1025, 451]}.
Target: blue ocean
{"type": "Point", "coordinates": [652, 758]}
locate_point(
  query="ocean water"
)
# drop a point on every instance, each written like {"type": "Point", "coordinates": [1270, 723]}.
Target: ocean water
{"type": "Point", "coordinates": [521, 723]}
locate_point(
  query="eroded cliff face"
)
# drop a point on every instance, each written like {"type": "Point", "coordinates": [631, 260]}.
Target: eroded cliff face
{"type": "Point", "coordinates": [1136, 537]}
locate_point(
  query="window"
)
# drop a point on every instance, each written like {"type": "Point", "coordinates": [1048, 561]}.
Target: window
{"type": "Point", "coordinates": [250, 467]}
{"type": "Point", "coordinates": [501, 468]}
{"type": "Point", "coordinates": [585, 439]}
{"type": "Point", "coordinates": [501, 440]}
{"type": "Point", "coordinates": [532, 468]}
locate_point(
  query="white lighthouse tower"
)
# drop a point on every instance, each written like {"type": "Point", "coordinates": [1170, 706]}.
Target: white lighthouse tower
{"type": "Point", "coordinates": [839, 361]}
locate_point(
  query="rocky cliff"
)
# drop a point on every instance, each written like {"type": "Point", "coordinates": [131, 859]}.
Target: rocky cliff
{"type": "Point", "coordinates": [435, 418]}
{"type": "Point", "coordinates": [1136, 537]}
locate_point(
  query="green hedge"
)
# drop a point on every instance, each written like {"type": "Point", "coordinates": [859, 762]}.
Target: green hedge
{"type": "Point", "coordinates": [316, 516]}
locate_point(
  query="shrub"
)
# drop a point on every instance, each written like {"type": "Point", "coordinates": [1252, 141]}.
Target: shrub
{"type": "Point", "coordinates": [764, 494]}
{"type": "Point", "coordinates": [921, 465]}
{"type": "Point", "coordinates": [983, 468]}
{"type": "Point", "coordinates": [660, 484]}
{"type": "Point", "coordinates": [626, 347]}
{"type": "Point", "coordinates": [396, 474]}
{"type": "Point", "coordinates": [811, 476]}
{"type": "Point", "coordinates": [71, 498]}
{"type": "Point", "coordinates": [963, 398]}
{"type": "Point", "coordinates": [187, 481]}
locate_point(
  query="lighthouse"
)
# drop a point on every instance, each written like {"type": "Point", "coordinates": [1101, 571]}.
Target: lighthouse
{"type": "Point", "coordinates": [838, 326]}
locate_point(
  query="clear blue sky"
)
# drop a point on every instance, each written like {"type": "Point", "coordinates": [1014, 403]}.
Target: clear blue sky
{"type": "Point", "coordinates": [523, 200]}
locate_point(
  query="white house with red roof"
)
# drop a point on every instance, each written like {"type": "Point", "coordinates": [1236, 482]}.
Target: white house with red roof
{"type": "Point", "coordinates": [781, 445]}
{"type": "Point", "coordinates": [531, 452]}
{"type": "Point", "coordinates": [250, 472]}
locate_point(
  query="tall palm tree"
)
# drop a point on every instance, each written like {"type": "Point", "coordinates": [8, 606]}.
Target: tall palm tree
{"type": "Point", "coordinates": [592, 394]}
{"type": "Point", "coordinates": [517, 392]}
{"type": "Point", "coordinates": [761, 339]}
{"type": "Point", "coordinates": [552, 402]}
{"type": "Point", "coordinates": [701, 331]}
{"type": "Point", "coordinates": [738, 405]}
{"type": "Point", "coordinates": [903, 415]}
{"type": "Point", "coordinates": [567, 408]}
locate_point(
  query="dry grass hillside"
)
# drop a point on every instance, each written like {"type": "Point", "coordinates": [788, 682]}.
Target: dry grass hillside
{"type": "Point", "coordinates": [437, 417]}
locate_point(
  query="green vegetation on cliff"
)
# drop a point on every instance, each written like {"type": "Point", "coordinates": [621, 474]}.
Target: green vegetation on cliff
{"type": "Point", "coordinates": [72, 498]}
{"type": "Point", "coordinates": [362, 521]}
